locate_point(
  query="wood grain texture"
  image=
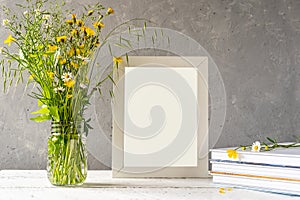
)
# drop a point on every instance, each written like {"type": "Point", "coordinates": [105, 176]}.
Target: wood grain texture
{"type": "Point", "coordinates": [33, 184]}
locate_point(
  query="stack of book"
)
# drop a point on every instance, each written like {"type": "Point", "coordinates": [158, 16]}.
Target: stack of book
{"type": "Point", "coordinates": [275, 171]}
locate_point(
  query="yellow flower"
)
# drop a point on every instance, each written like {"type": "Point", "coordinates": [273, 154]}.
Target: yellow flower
{"type": "Point", "coordinates": [69, 96]}
{"type": "Point", "coordinates": [81, 46]}
{"type": "Point", "coordinates": [62, 61]}
{"type": "Point", "coordinates": [222, 190]}
{"type": "Point", "coordinates": [90, 12]}
{"type": "Point", "coordinates": [110, 11]}
{"type": "Point", "coordinates": [71, 52]}
{"type": "Point", "coordinates": [89, 31]}
{"type": "Point", "coordinates": [33, 55]}
{"type": "Point", "coordinates": [74, 64]}
{"type": "Point", "coordinates": [9, 40]}
{"type": "Point", "coordinates": [74, 32]}
{"type": "Point", "coordinates": [61, 38]}
{"type": "Point", "coordinates": [69, 21]}
{"type": "Point", "coordinates": [52, 48]}
{"type": "Point", "coordinates": [229, 189]}
{"type": "Point", "coordinates": [266, 147]}
{"type": "Point", "coordinates": [31, 77]}
{"type": "Point", "coordinates": [74, 16]}
{"type": "Point", "coordinates": [243, 148]}
{"type": "Point", "coordinates": [51, 74]}
{"type": "Point", "coordinates": [97, 43]}
{"type": "Point", "coordinates": [117, 60]}
{"type": "Point", "coordinates": [80, 23]}
{"type": "Point", "coordinates": [5, 22]}
{"type": "Point", "coordinates": [69, 83]}
{"type": "Point", "coordinates": [77, 52]}
{"type": "Point", "coordinates": [98, 25]}
{"type": "Point", "coordinates": [232, 153]}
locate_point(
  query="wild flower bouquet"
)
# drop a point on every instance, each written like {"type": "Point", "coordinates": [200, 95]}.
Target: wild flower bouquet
{"type": "Point", "coordinates": [54, 50]}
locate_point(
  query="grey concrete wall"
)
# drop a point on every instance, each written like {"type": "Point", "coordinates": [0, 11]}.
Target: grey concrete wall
{"type": "Point", "coordinates": [255, 43]}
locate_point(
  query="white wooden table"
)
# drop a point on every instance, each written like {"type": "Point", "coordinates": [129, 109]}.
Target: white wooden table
{"type": "Point", "coordinates": [33, 184]}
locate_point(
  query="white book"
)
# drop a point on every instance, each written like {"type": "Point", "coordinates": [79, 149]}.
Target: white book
{"type": "Point", "coordinates": [256, 170]}
{"type": "Point", "coordinates": [275, 186]}
{"type": "Point", "coordinates": [289, 157]}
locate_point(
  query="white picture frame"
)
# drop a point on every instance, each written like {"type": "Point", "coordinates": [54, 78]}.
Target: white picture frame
{"type": "Point", "coordinates": [143, 87]}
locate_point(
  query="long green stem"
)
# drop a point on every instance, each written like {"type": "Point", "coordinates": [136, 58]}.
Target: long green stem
{"type": "Point", "coordinates": [67, 163]}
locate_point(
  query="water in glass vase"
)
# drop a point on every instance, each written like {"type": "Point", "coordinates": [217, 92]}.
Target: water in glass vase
{"type": "Point", "coordinates": [67, 154]}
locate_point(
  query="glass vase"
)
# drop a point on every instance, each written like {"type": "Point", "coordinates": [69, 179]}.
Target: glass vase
{"type": "Point", "coordinates": [67, 154]}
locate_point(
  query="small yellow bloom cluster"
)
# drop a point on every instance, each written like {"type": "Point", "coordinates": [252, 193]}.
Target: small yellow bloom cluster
{"type": "Point", "coordinates": [63, 51]}
{"type": "Point", "coordinates": [51, 74]}
{"type": "Point", "coordinates": [61, 38]}
{"type": "Point", "coordinates": [110, 11]}
{"type": "Point", "coordinates": [232, 154]}
{"type": "Point", "coordinates": [68, 79]}
{"type": "Point", "coordinates": [223, 190]}
{"type": "Point", "coordinates": [117, 60]}
{"type": "Point", "coordinates": [9, 40]}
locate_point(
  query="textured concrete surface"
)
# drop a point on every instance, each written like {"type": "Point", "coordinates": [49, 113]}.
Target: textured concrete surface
{"type": "Point", "coordinates": [255, 43]}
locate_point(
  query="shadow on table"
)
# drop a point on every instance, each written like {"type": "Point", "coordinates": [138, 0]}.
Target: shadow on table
{"type": "Point", "coordinates": [105, 185]}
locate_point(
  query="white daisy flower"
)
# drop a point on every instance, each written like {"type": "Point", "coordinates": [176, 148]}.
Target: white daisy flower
{"type": "Point", "coordinates": [67, 77]}
{"type": "Point", "coordinates": [83, 58]}
{"type": "Point", "coordinates": [5, 22]}
{"type": "Point", "coordinates": [83, 86]}
{"type": "Point", "coordinates": [256, 146]}
{"type": "Point", "coordinates": [48, 26]}
{"type": "Point", "coordinates": [25, 13]}
{"type": "Point", "coordinates": [59, 89]}
{"type": "Point", "coordinates": [37, 12]}
{"type": "Point", "coordinates": [46, 17]}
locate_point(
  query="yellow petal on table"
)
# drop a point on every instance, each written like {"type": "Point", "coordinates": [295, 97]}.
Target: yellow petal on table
{"type": "Point", "coordinates": [222, 190]}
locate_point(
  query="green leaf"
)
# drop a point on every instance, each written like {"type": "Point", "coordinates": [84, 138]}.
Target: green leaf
{"type": "Point", "coordinates": [112, 80]}
{"type": "Point", "coordinates": [127, 59]}
{"type": "Point", "coordinates": [39, 103]}
{"type": "Point", "coordinates": [54, 112]}
{"type": "Point", "coordinates": [271, 140]}
{"type": "Point", "coordinates": [41, 118]}
{"type": "Point", "coordinates": [43, 111]}
{"type": "Point", "coordinates": [110, 50]}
